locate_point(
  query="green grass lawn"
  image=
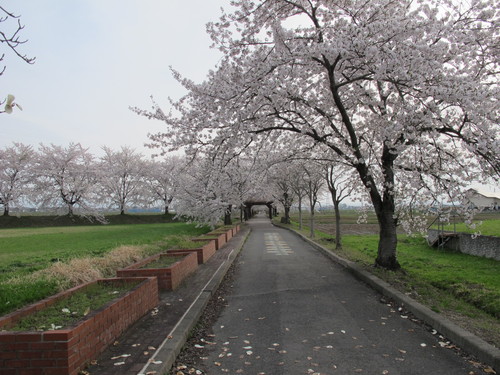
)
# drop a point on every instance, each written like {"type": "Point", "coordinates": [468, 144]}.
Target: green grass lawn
{"type": "Point", "coordinates": [484, 227]}
{"type": "Point", "coordinates": [475, 280]}
{"type": "Point", "coordinates": [29, 249]}
{"type": "Point", "coordinates": [26, 250]}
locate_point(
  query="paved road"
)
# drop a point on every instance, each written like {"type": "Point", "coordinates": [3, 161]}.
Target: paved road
{"type": "Point", "coordinates": [293, 311]}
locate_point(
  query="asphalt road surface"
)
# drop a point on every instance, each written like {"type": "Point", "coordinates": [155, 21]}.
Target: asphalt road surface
{"type": "Point", "coordinates": [293, 311]}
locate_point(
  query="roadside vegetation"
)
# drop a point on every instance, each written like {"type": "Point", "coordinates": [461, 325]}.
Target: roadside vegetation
{"type": "Point", "coordinates": [464, 288]}
{"type": "Point", "coordinates": [41, 261]}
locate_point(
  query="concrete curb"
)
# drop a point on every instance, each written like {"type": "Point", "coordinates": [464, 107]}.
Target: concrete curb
{"type": "Point", "coordinates": [472, 344]}
{"type": "Point", "coordinates": [165, 356]}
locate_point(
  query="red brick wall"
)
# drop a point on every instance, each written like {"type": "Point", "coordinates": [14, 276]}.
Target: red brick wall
{"type": "Point", "coordinates": [210, 247]}
{"type": "Point", "coordinates": [220, 239]}
{"type": "Point", "coordinates": [183, 269]}
{"type": "Point", "coordinates": [227, 233]}
{"type": "Point", "coordinates": [66, 352]}
{"type": "Point", "coordinates": [167, 278]}
{"type": "Point", "coordinates": [204, 253]}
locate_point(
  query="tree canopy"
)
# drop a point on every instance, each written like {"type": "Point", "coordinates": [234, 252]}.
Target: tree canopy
{"type": "Point", "coordinates": [403, 92]}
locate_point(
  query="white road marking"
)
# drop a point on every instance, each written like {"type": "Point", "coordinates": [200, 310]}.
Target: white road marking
{"type": "Point", "coordinates": [276, 245]}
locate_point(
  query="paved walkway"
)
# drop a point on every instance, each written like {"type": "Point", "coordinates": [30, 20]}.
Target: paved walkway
{"type": "Point", "coordinates": [293, 311]}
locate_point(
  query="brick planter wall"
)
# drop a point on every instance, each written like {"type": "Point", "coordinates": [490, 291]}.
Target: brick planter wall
{"type": "Point", "coordinates": [168, 278]}
{"type": "Point", "coordinates": [228, 232]}
{"type": "Point", "coordinates": [212, 243]}
{"type": "Point", "coordinates": [203, 253]}
{"type": "Point", "coordinates": [220, 239]}
{"type": "Point", "coordinates": [68, 351]}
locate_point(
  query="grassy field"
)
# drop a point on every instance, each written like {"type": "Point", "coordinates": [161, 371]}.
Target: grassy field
{"type": "Point", "coordinates": [487, 227]}
{"type": "Point", "coordinates": [25, 252]}
{"type": "Point", "coordinates": [487, 223]}
{"type": "Point", "coordinates": [464, 288]}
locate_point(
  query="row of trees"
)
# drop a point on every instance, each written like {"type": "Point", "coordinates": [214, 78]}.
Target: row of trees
{"type": "Point", "coordinates": [402, 95]}
{"type": "Point", "coordinates": [397, 100]}
{"type": "Point", "coordinates": [71, 177]}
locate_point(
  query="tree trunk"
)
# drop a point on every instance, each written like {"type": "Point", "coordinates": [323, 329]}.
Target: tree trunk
{"type": "Point", "coordinates": [227, 216]}
{"type": "Point", "coordinates": [338, 235]}
{"type": "Point", "coordinates": [70, 210]}
{"type": "Point", "coordinates": [286, 206]}
{"type": "Point", "coordinates": [311, 224]}
{"type": "Point", "coordinates": [336, 205]}
{"type": "Point", "coordinates": [6, 209]}
{"type": "Point", "coordinates": [167, 204]}
{"type": "Point", "coordinates": [386, 255]}
{"type": "Point", "coordinates": [385, 209]}
{"type": "Point", "coordinates": [300, 213]}
{"type": "Point", "coordinates": [286, 218]}
{"type": "Point", "coordinates": [312, 203]}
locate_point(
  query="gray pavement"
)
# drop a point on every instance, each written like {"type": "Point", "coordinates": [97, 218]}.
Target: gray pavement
{"type": "Point", "coordinates": [293, 311]}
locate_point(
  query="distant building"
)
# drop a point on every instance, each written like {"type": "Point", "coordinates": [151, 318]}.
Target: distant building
{"type": "Point", "coordinates": [484, 200]}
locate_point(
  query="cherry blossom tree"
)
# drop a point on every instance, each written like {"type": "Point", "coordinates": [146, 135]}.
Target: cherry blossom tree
{"type": "Point", "coordinates": [204, 193]}
{"type": "Point", "coordinates": [284, 194]}
{"type": "Point", "coordinates": [314, 183]}
{"type": "Point", "coordinates": [405, 92]}
{"type": "Point", "coordinates": [339, 180]}
{"type": "Point", "coordinates": [210, 188]}
{"type": "Point", "coordinates": [298, 186]}
{"type": "Point", "coordinates": [247, 180]}
{"type": "Point", "coordinates": [289, 179]}
{"type": "Point", "coordinates": [15, 173]}
{"type": "Point", "coordinates": [162, 179]}
{"type": "Point", "coordinates": [66, 175]}
{"type": "Point", "coordinates": [122, 177]}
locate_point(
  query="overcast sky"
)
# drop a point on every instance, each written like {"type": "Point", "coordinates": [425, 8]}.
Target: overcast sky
{"type": "Point", "coordinates": [94, 59]}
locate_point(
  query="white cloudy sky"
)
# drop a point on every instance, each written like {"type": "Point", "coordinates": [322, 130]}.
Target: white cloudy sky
{"type": "Point", "coordinates": [94, 59]}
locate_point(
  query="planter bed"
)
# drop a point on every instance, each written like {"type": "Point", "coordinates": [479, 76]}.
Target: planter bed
{"type": "Point", "coordinates": [220, 239]}
{"type": "Point", "coordinates": [169, 278]}
{"type": "Point", "coordinates": [235, 228]}
{"type": "Point", "coordinates": [207, 242]}
{"type": "Point", "coordinates": [67, 351]}
{"type": "Point", "coordinates": [225, 231]}
{"type": "Point", "coordinates": [203, 253]}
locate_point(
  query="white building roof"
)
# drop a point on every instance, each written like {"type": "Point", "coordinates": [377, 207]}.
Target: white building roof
{"type": "Point", "coordinates": [487, 194]}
